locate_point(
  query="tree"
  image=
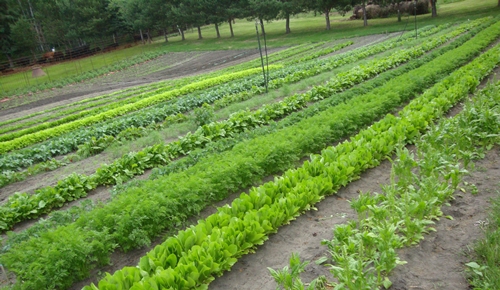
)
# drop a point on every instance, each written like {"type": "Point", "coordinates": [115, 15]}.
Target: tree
{"type": "Point", "coordinates": [263, 10]}
{"type": "Point", "coordinates": [160, 10]}
{"type": "Point", "coordinates": [233, 10]}
{"type": "Point", "coordinates": [289, 8]}
{"type": "Point", "coordinates": [216, 13]}
{"type": "Point", "coordinates": [434, 10]}
{"type": "Point", "coordinates": [7, 17]}
{"type": "Point", "coordinates": [365, 19]}
{"type": "Point", "coordinates": [326, 6]}
{"type": "Point", "coordinates": [135, 13]}
{"type": "Point", "coordinates": [23, 36]}
{"type": "Point", "coordinates": [191, 12]}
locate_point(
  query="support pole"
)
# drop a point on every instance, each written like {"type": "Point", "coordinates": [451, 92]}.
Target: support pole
{"type": "Point", "coordinates": [415, 10]}
{"type": "Point", "coordinates": [260, 50]}
{"type": "Point", "coordinates": [267, 60]}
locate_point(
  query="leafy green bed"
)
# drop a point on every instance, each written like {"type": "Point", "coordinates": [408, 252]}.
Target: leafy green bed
{"type": "Point", "coordinates": [135, 216]}
{"type": "Point", "coordinates": [58, 218]}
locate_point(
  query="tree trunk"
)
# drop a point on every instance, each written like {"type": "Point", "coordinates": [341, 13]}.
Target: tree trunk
{"type": "Point", "coordinates": [37, 28]}
{"type": "Point", "coordinates": [165, 34]}
{"type": "Point", "coordinates": [399, 14]}
{"type": "Point", "coordinates": [231, 26]}
{"type": "Point", "coordinates": [149, 37]}
{"type": "Point", "coordinates": [288, 24]}
{"type": "Point", "coordinates": [365, 21]}
{"type": "Point", "coordinates": [434, 10]}
{"type": "Point", "coordinates": [182, 34]}
{"type": "Point", "coordinates": [262, 26]}
{"type": "Point", "coordinates": [217, 29]}
{"type": "Point", "coordinates": [327, 18]}
{"type": "Point", "coordinates": [199, 32]}
{"type": "Point", "coordinates": [142, 36]}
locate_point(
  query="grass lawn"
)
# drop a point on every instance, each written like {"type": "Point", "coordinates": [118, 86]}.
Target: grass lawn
{"type": "Point", "coordinates": [305, 28]}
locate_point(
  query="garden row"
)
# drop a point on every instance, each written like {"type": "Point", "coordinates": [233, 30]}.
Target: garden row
{"type": "Point", "coordinates": [24, 206]}
{"type": "Point", "coordinates": [194, 257]}
{"type": "Point", "coordinates": [244, 90]}
{"type": "Point", "coordinates": [135, 216]}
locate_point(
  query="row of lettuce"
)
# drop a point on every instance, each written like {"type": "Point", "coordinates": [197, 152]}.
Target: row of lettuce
{"type": "Point", "coordinates": [21, 206]}
{"type": "Point", "coordinates": [222, 96]}
{"type": "Point", "coordinates": [135, 216]}
{"type": "Point", "coordinates": [195, 256]}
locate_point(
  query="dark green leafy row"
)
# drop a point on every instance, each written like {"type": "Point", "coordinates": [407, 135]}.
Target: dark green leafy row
{"type": "Point", "coordinates": [135, 216]}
